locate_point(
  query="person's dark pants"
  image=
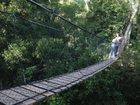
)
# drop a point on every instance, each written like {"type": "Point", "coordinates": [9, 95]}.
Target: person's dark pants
{"type": "Point", "coordinates": [116, 50]}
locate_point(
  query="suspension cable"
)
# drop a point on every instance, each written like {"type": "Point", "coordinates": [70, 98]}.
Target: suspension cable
{"type": "Point", "coordinates": [33, 22]}
{"type": "Point", "coordinates": [62, 18]}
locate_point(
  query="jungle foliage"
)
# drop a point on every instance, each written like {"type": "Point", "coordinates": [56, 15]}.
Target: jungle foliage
{"type": "Point", "coordinates": [35, 44]}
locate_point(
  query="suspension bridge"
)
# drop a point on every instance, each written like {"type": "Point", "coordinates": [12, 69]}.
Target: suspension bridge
{"type": "Point", "coordinates": [36, 91]}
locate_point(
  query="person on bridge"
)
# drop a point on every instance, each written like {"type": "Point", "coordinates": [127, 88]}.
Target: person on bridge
{"type": "Point", "coordinates": [116, 42]}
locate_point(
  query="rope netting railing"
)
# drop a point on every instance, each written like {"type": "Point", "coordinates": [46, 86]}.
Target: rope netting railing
{"type": "Point", "coordinates": [99, 45]}
{"type": "Point", "coordinates": [128, 28]}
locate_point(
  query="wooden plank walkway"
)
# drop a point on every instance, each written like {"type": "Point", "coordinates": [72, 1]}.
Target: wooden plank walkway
{"type": "Point", "coordinates": [36, 91]}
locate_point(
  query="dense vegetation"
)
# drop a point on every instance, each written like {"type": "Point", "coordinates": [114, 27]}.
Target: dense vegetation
{"type": "Point", "coordinates": [31, 51]}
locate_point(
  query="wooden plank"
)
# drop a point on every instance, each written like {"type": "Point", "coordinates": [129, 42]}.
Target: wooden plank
{"type": "Point", "coordinates": [69, 76]}
{"type": "Point", "coordinates": [60, 89]}
{"type": "Point", "coordinates": [35, 99]}
{"type": "Point", "coordinates": [14, 95]}
{"type": "Point", "coordinates": [69, 85]}
{"type": "Point", "coordinates": [27, 102]}
{"type": "Point", "coordinates": [57, 90]}
{"type": "Point", "coordinates": [76, 82]}
{"type": "Point", "coordinates": [64, 88]}
{"type": "Point", "coordinates": [51, 84]}
{"type": "Point", "coordinates": [33, 88]}
{"type": "Point", "coordinates": [48, 93]}
{"type": "Point", "coordinates": [93, 68]}
{"type": "Point", "coordinates": [7, 100]}
{"type": "Point", "coordinates": [61, 80]}
{"type": "Point", "coordinates": [63, 83]}
{"type": "Point", "coordinates": [73, 76]}
{"type": "Point", "coordinates": [44, 86]}
{"type": "Point", "coordinates": [39, 97]}
{"type": "Point", "coordinates": [73, 83]}
{"type": "Point", "coordinates": [83, 78]}
{"type": "Point", "coordinates": [58, 82]}
{"type": "Point", "coordinates": [24, 91]}
{"type": "Point", "coordinates": [85, 73]}
{"type": "Point", "coordinates": [67, 79]}
{"type": "Point", "coordinates": [76, 75]}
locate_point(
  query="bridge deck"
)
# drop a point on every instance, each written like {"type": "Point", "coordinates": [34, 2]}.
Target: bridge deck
{"type": "Point", "coordinates": [36, 91]}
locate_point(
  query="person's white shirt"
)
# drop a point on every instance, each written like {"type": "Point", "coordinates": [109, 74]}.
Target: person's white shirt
{"type": "Point", "coordinates": [114, 40]}
{"type": "Point", "coordinates": [118, 39]}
